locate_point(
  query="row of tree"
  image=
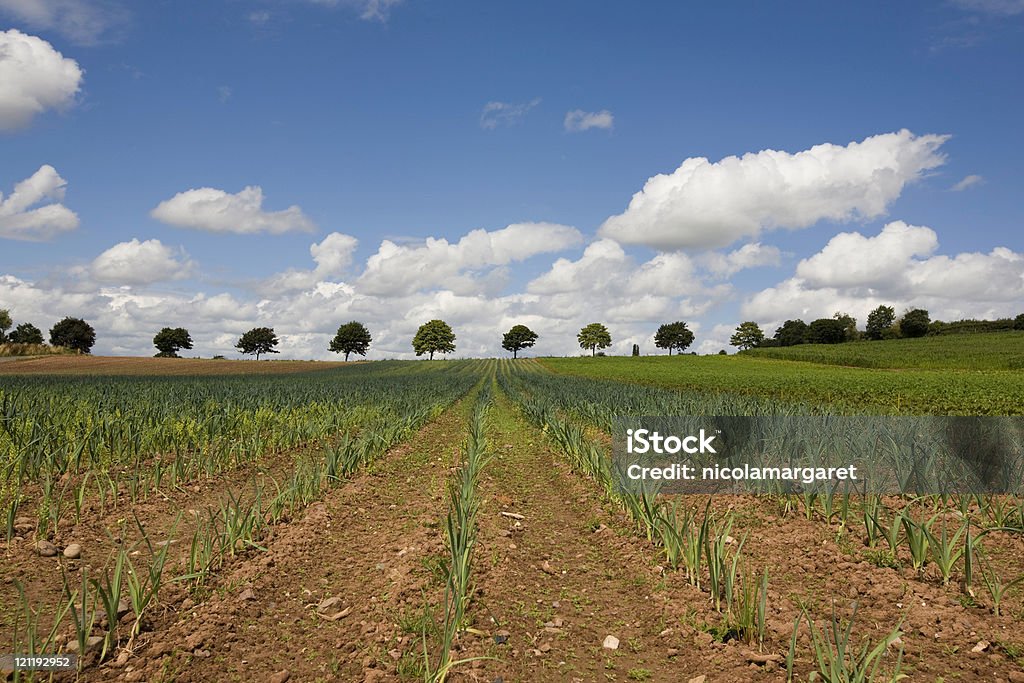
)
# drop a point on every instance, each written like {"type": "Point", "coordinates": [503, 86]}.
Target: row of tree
{"type": "Point", "coordinates": [71, 333]}
{"type": "Point", "coordinates": [437, 336]}
{"type": "Point", "coordinates": [881, 324]}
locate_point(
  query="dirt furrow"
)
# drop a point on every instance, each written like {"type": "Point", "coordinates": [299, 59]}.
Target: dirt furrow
{"type": "Point", "coordinates": [553, 581]}
{"type": "Point", "coordinates": [328, 598]}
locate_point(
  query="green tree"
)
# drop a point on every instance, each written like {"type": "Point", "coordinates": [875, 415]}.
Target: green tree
{"type": "Point", "coordinates": [26, 333]}
{"type": "Point", "coordinates": [673, 336]}
{"type": "Point", "coordinates": [352, 337]}
{"type": "Point", "coordinates": [636, 350]}
{"type": "Point", "coordinates": [5, 324]}
{"type": "Point", "coordinates": [258, 340]}
{"type": "Point", "coordinates": [849, 325]}
{"type": "Point", "coordinates": [1018, 322]}
{"type": "Point", "coordinates": [747, 336]}
{"type": "Point", "coordinates": [170, 340]}
{"type": "Point", "coordinates": [433, 337]}
{"type": "Point", "coordinates": [518, 338]}
{"type": "Point", "coordinates": [914, 323]}
{"type": "Point", "coordinates": [879, 320]}
{"type": "Point", "coordinates": [791, 333]}
{"type": "Point", "coordinates": [594, 336]}
{"type": "Point", "coordinates": [826, 331]}
{"type": "Point", "coordinates": [73, 333]}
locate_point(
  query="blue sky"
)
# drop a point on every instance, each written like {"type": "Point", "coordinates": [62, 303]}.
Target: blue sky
{"type": "Point", "coordinates": [411, 121]}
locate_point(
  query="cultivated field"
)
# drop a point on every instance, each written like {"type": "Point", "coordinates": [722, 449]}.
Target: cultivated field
{"type": "Point", "coordinates": [432, 520]}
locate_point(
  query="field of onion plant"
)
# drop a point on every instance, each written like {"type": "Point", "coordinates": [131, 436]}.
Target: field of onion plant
{"type": "Point", "coordinates": [134, 506]}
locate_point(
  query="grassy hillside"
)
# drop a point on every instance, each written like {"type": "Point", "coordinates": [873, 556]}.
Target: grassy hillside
{"type": "Point", "coordinates": [996, 351]}
{"type": "Point", "coordinates": [846, 389]}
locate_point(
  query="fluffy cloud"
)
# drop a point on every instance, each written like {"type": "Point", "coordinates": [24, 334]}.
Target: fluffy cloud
{"type": "Point", "coordinates": [18, 220]}
{"type": "Point", "coordinates": [897, 267]}
{"type": "Point", "coordinates": [210, 209]}
{"type": "Point", "coordinates": [578, 120]}
{"type": "Point", "coordinates": [751, 255]}
{"type": "Point", "coordinates": [34, 77]}
{"type": "Point", "coordinates": [496, 114]}
{"type": "Point", "coordinates": [332, 257]}
{"type": "Point", "coordinates": [397, 269]}
{"type": "Point", "coordinates": [853, 260]}
{"type": "Point", "coordinates": [703, 204]}
{"type": "Point", "coordinates": [140, 263]}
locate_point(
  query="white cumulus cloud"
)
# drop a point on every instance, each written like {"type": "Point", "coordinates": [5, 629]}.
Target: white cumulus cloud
{"type": "Point", "coordinates": [215, 210]}
{"type": "Point", "coordinates": [34, 77]}
{"type": "Point", "coordinates": [577, 120]}
{"type": "Point", "coordinates": [852, 260]}
{"type": "Point", "coordinates": [140, 263]}
{"type": "Point", "coordinates": [898, 267]}
{"type": "Point", "coordinates": [333, 255]}
{"type": "Point", "coordinates": [397, 269]}
{"type": "Point", "coordinates": [20, 221]}
{"type": "Point", "coordinates": [704, 204]}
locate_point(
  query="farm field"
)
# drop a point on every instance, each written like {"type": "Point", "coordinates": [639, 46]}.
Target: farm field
{"type": "Point", "coordinates": [184, 367]}
{"type": "Point", "coordinates": [991, 351]}
{"type": "Point", "coordinates": [456, 520]}
{"type": "Point", "coordinates": [851, 390]}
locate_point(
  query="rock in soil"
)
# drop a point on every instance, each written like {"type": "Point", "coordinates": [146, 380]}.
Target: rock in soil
{"type": "Point", "coordinates": [280, 676]}
{"type": "Point", "coordinates": [611, 643]}
{"type": "Point", "coordinates": [46, 549]}
{"type": "Point", "coordinates": [73, 551]}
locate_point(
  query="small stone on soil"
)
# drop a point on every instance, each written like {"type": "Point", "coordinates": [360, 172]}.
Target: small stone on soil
{"type": "Point", "coordinates": [610, 643]}
{"type": "Point", "coordinates": [73, 551]}
{"type": "Point", "coordinates": [280, 676]}
{"type": "Point", "coordinates": [46, 549]}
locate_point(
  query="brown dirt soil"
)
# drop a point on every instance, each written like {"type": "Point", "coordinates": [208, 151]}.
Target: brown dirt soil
{"type": "Point", "coordinates": [325, 600]}
{"type": "Point", "coordinates": [118, 365]}
{"type": "Point", "coordinates": [556, 587]}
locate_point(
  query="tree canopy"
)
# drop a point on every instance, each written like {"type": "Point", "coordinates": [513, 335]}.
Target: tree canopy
{"type": "Point", "coordinates": [170, 340]}
{"type": "Point", "coordinates": [673, 336]}
{"type": "Point", "coordinates": [5, 323]}
{"type": "Point", "coordinates": [747, 336]}
{"type": "Point", "coordinates": [518, 338]}
{"type": "Point", "coordinates": [258, 340]}
{"type": "Point", "coordinates": [73, 333]}
{"type": "Point", "coordinates": [826, 331]}
{"type": "Point", "coordinates": [433, 337]}
{"type": "Point", "coordinates": [26, 333]}
{"type": "Point", "coordinates": [594, 336]}
{"type": "Point", "coordinates": [791, 333]}
{"type": "Point", "coordinates": [879, 322]}
{"type": "Point", "coordinates": [352, 337]}
{"type": "Point", "coordinates": [914, 323]}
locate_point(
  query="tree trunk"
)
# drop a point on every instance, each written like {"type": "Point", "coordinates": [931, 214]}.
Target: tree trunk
{"type": "Point", "coordinates": [346, 356]}
{"type": "Point", "coordinates": [514, 354]}
{"type": "Point", "coordinates": [593, 351]}
{"type": "Point", "coordinates": [431, 355]}
{"type": "Point", "coordinates": [257, 355]}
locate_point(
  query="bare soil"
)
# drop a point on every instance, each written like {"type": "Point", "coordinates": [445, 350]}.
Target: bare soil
{"type": "Point", "coordinates": [118, 365]}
